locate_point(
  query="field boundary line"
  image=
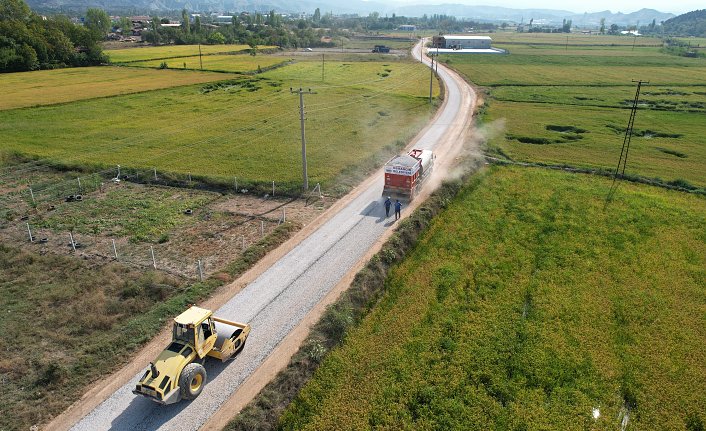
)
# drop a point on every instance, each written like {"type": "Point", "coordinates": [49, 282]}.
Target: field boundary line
{"type": "Point", "coordinates": [638, 179]}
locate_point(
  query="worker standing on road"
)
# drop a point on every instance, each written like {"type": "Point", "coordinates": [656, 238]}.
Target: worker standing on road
{"type": "Point", "coordinates": [388, 204]}
{"type": "Point", "coordinates": [398, 209]}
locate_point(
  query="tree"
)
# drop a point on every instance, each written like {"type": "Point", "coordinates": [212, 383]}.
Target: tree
{"type": "Point", "coordinates": [197, 24]}
{"type": "Point", "coordinates": [125, 25]}
{"type": "Point", "coordinates": [613, 29]}
{"type": "Point", "coordinates": [155, 30]}
{"type": "Point", "coordinates": [216, 38]}
{"type": "Point", "coordinates": [98, 21]}
{"type": "Point", "coordinates": [317, 16]}
{"type": "Point", "coordinates": [14, 10]}
{"type": "Point", "coordinates": [602, 26]}
{"type": "Point", "coordinates": [185, 21]}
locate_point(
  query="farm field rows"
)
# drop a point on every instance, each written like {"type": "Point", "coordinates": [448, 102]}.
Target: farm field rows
{"type": "Point", "coordinates": [47, 87]}
{"type": "Point", "coordinates": [528, 304]}
{"type": "Point", "coordinates": [572, 107]}
{"type": "Point", "coordinates": [242, 127]}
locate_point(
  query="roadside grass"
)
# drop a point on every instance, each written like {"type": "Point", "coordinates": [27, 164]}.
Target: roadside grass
{"type": "Point", "coordinates": [47, 87]}
{"type": "Point", "coordinates": [67, 323]}
{"type": "Point", "coordinates": [526, 305]}
{"type": "Point", "coordinates": [219, 63]}
{"type": "Point", "coordinates": [173, 51]}
{"type": "Point", "coordinates": [540, 95]}
{"type": "Point", "coordinates": [242, 127]}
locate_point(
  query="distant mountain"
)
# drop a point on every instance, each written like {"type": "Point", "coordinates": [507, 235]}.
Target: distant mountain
{"type": "Point", "coordinates": [539, 16]}
{"type": "Point", "coordinates": [688, 24]}
{"type": "Point", "coordinates": [641, 17]}
{"type": "Point", "coordinates": [361, 7]}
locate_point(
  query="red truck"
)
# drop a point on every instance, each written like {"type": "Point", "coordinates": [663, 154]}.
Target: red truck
{"type": "Point", "coordinates": [405, 174]}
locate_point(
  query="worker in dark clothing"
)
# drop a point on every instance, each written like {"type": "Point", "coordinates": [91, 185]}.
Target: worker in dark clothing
{"type": "Point", "coordinates": [388, 204]}
{"type": "Point", "coordinates": [398, 209]}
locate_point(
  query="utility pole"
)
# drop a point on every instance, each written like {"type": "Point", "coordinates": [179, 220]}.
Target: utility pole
{"type": "Point", "coordinates": [200, 60]}
{"type": "Point", "coordinates": [437, 58]}
{"type": "Point", "coordinates": [623, 160]}
{"type": "Point", "coordinates": [301, 119]}
{"type": "Point", "coordinates": [323, 66]}
{"type": "Point", "coordinates": [431, 78]}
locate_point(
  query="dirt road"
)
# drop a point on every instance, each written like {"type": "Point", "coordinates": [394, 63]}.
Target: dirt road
{"type": "Point", "coordinates": [286, 293]}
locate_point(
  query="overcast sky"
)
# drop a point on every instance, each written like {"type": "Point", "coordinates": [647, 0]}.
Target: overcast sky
{"type": "Point", "coordinates": [626, 6]}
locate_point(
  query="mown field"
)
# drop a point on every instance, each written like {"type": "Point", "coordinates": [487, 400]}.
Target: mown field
{"type": "Point", "coordinates": [171, 51]}
{"type": "Point", "coordinates": [528, 304]}
{"type": "Point", "coordinates": [240, 127]}
{"type": "Point", "coordinates": [47, 87]}
{"type": "Point", "coordinates": [571, 106]}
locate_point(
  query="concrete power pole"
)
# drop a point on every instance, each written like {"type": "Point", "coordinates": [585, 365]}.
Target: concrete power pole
{"type": "Point", "coordinates": [301, 119]}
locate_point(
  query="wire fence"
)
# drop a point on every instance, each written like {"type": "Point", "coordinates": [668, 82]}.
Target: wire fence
{"type": "Point", "coordinates": [192, 252]}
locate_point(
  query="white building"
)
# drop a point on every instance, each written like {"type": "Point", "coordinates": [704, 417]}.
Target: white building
{"type": "Point", "coordinates": [462, 42]}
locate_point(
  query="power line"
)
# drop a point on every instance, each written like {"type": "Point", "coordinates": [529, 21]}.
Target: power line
{"type": "Point", "coordinates": [623, 160]}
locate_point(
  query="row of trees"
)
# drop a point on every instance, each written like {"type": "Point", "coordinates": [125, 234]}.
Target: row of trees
{"type": "Point", "coordinates": [30, 42]}
{"type": "Point", "coordinates": [255, 29]}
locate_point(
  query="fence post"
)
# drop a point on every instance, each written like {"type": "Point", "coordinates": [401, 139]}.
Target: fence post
{"type": "Point", "coordinates": [262, 228]}
{"type": "Point", "coordinates": [154, 261]}
{"type": "Point", "coordinates": [80, 191]}
{"type": "Point", "coordinates": [236, 184]}
{"type": "Point", "coordinates": [73, 243]}
{"type": "Point", "coordinates": [189, 178]}
{"type": "Point", "coordinates": [273, 188]}
{"type": "Point", "coordinates": [200, 271]}
{"type": "Point", "coordinates": [284, 214]}
{"type": "Point", "coordinates": [155, 174]}
{"type": "Point", "coordinates": [115, 250]}
{"type": "Point", "coordinates": [29, 231]}
{"type": "Point", "coordinates": [32, 194]}
{"type": "Point", "coordinates": [243, 238]}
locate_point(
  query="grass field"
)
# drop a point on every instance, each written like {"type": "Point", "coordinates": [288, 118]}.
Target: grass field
{"type": "Point", "coordinates": [244, 127]}
{"type": "Point", "coordinates": [221, 63]}
{"type": "Point", "coordinates": [47, 87]}
{"type": "Point", "coordinates": [172, 51]}
{"type": "Point", "coordinates": [561, 39]}
{"type": "Point", "coordinates": [572, 106]}
{"type": "Point", "coordinates": [530, 305]}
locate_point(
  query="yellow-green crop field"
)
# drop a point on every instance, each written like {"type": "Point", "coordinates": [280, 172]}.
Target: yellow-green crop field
{"type": "Point", "coordinates": [572, 107]}
{"type": "Point", "coordinates": [528, 304]}
{"type": "Point", "coordinates": [171, 51]}
{"type": "Point", "coordinates": [221, 63]}
{"type": "Point", "coordinates": [245, 127]}
{"type": "Point", "coordinates": [47, 87]}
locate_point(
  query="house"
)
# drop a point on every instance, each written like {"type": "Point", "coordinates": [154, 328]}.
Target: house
{"type": "Point", "coordinates": [407, 27]}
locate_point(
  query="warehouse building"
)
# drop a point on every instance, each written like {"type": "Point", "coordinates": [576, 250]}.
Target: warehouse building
{"type": "Point", "coordinates": [464, 44]}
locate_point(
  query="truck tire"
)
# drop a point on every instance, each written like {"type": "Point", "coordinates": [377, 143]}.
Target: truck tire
{"type": "Point", "coordinates": [192, 380]}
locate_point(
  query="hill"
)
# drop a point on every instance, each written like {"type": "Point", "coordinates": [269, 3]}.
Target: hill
{"type": "Point", "coordinates": [688, 24]}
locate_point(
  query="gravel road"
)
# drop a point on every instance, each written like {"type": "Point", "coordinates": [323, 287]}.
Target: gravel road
{"type": "Point", "coordinates": [281, 296]}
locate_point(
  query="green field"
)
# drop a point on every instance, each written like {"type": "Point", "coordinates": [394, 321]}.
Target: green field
{"type": "Point", "coordinates": [244, 127]}
{"type": "Point", "coordinates": [221, 63]}
{"type": "Point", "coordinates": [561, 39]}
{"type": "Point", "coordinates": [572, 106]}
{"type": "Point", "coordinates": [528, 304]}
{"type": "Point", "coordinates": [47, 87]}
{"type": "Point", "coordinates": [171, 51]}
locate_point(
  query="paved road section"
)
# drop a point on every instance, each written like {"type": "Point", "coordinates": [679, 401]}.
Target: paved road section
{"type": "Point", "coordinates": [274, 303]}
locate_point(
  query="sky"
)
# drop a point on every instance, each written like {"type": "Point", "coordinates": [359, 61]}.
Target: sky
{"type": "Point", "coordinates": [626, 6]}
